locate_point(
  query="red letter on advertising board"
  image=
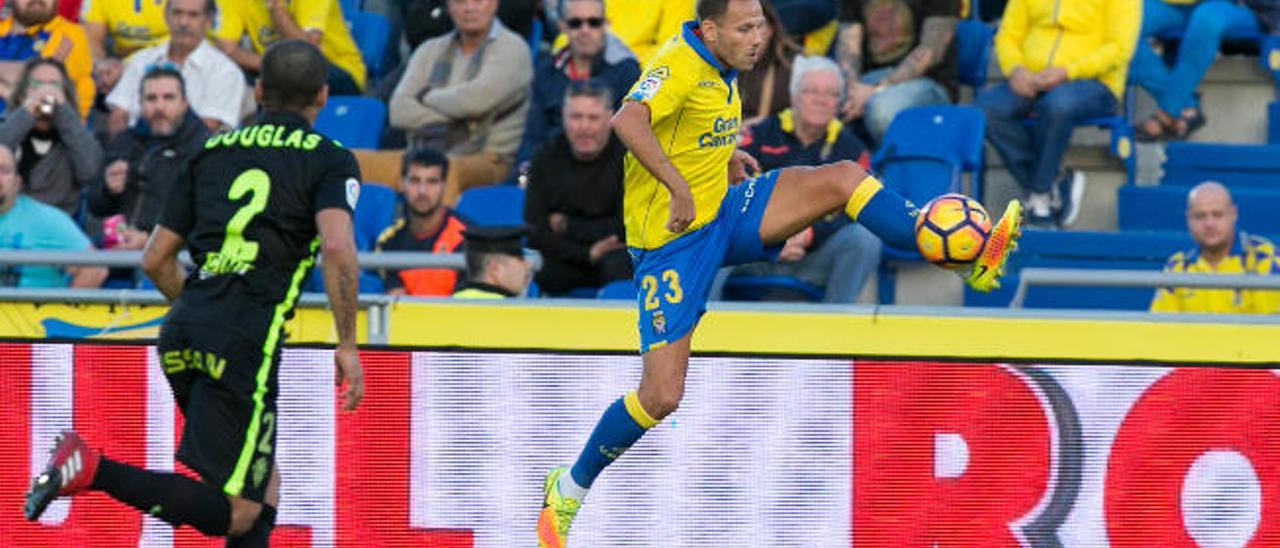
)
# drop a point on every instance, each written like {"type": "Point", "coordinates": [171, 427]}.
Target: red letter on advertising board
{"type": "Point", "coordinates": [1185, 415]}
{"type": "Point", "coordinates": [902, 411]}
{"type": "Point", "coordinates": [373, 462]}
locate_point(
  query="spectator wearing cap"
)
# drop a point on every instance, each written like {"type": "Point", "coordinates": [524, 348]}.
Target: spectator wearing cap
{"type": "Point", "coordinates": [144, 162]}
{"type": "Point", "coordinates": [1066, 62]}
{"type": "Point", "coordinates": [496, 268]}
{"type": "Point", "coordinates": [573, 203]}
{"type": "Point", "coordinates": [57, 155]}
{"type": "Point", "coordinates": [586, 57]}
{"type": "Point", "coordinates": [424, 225]}
{"type": "Point", "coordinates": [30, 225]}
{"type": "Point", "coordinates": [466, 93]}
{"type": "Point", "coordinates": [215, 85]}
{"type": "Point", "coordinates": [835, 253]}
{"type": "Point", "coordinates": [34, 29]}
{"type": "Point", "coordinates": [1220, 249]}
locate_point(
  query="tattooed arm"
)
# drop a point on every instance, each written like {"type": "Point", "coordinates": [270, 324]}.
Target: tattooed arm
{"type": "Point", "coordinates": [849, 50]}
{"type": "Point", "coordinates": [935, 36]}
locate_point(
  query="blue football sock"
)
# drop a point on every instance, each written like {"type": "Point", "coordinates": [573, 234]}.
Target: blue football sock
{"type": "Point", "coordinates": [621, 426]}
{"type": "Point", "coordinates": [884, 212]}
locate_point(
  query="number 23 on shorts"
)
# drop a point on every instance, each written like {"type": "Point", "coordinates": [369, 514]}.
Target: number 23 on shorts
{"type": "Point", "coordinates": [649, 285]}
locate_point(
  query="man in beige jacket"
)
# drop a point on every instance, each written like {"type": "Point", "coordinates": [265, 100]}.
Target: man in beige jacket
{"type": "Point", "coordinates": [467, 93]}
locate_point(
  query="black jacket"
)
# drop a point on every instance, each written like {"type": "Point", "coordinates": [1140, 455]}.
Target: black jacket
{"type": "Point", "coordinates": [154, 164]}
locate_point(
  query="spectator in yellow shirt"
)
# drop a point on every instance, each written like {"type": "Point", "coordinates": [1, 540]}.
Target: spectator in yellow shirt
{"type": "Point", "coordinates": [1211, 219]}
{"type": "Point", "coordinates": [131, 25]}
{"type": "Point", "coordinates": [644, 25]}
{"type": "Point", "coordinates": [34, 29]}
{"type": "Point", "coordinates": [266, 22]}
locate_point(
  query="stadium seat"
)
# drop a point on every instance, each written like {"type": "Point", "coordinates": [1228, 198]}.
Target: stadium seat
{"type": "Point", "coordinates": [355, 122]}
{"type": "Point", "coordinates": [1273, 123]}
{"type": "Point", "coordinates": [500, 205]}
{"type": "Point", "coordinates": [349, 7]}
{"type": "Point", "coordinates": [1164, 208]}
{"type": "Point", "coordinates": [925, 153]}
{"type": "Point", "coordinates": [375, 211]}
{"type": "Point", "coordinates": [1089, 250]}
{"type": "Point", "coordinates": [619, 290]}
{"type": "Point", "coordinates": [759, 288]}
{"type": "Point", "coordinates": [371, 32]}
{"type": "Point", "coordinates": [973, 51]}
{"type": "Point", "coordinates": [1237, 166]}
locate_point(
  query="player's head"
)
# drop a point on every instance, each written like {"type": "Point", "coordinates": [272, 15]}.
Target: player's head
{"type": "Point", "coordinates": [1211, 217]}
{"type": "Point", "coordinates": [10, 181]}
{"type": "Point", "coordinates": [34, 12]}
{"type": "Point", "coordinates": [188, 22]}
{"type": "Point", "coordinates": [817, 88]}
{"type": "Point", "coordinates": [293, 79]}
{"type": "Point", "coordinates": [587, 110]}
{"type": "Point", "coordinates": [495, 256]}
{"type": "Point", "coordinates": [734, 31]}
{"type": "Point", "coordinates": [422, 176]}
{"type": "Point", "coordinates": [163, 98]}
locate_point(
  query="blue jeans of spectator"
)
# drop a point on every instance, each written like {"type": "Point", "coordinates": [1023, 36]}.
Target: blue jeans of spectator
{"type": "Point", "coordinates": [1033, 152]}
{"type": "Point", "coordinates": [842, 264]}
{"type": "Point", "coordinates": [1205, 24]}
{"type": "Point", "coordinates": [882, 107]}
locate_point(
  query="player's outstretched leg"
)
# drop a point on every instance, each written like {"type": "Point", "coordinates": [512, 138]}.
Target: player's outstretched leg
{"type": "Point", "coordinates": [621, 426]}
{"type": "Point", "coordinates": [174, 498]}
{"type": "Point", "coordinates": [804, 195]}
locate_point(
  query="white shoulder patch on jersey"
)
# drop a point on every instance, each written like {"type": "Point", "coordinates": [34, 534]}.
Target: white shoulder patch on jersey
{"type": "Point", "coordinates": [353, 192]}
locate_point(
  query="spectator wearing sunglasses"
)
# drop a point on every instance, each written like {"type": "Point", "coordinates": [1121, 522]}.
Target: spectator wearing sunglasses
{"type": "Point", "coordinates": [584, 58]}
{"type": "Point", "coordinates": [215, 86]}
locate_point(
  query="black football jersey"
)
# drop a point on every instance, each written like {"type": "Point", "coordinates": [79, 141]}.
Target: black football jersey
{"type": "Point", "coordinates": [246, 207]}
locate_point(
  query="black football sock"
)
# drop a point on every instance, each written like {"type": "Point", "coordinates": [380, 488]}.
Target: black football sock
{"type": "Point", "coordinates": [260, 535]}
{"type": "Point", "coordinates": [174, 498]}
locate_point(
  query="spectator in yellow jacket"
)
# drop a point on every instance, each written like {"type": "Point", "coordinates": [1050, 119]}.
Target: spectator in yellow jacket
{"type": "Point", "coordinates": [1065, 61]}
{"type": "Point", "coordinates": [34, 29]}
{"type": "Point", "coordinates": [644, 25]}
{"type": "Point", "coordinates": [1220, 249]}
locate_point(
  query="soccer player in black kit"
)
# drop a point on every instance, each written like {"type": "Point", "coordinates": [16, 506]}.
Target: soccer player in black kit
{"type": "Point", "coordinates": [253, 208]}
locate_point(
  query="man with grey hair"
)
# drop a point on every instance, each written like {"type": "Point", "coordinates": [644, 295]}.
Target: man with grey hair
{"type": "Point", "coordinates": [834, 253]}
{"type": "Point", "coordinates": [1220, 249]}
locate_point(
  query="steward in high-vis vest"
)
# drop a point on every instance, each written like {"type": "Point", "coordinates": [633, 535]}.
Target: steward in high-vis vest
{"type": "Point", "coordinates": [496, 268]}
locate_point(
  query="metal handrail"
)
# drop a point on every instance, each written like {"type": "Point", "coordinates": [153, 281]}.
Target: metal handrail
{"type": "Point", "coordinates": [130, 259]}
{"type": "Point", "coordinates": [1073, 277]}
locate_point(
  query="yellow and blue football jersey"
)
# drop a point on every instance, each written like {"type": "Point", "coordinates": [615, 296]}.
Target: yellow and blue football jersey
{"type": "Point", "coordinates": [695, 113]}
{"type": "Point", "coordinates": [1249, 255]}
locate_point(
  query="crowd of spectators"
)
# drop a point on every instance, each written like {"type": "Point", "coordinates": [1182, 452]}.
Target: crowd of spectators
{"type": "Point", "coordinates": [108, 101]}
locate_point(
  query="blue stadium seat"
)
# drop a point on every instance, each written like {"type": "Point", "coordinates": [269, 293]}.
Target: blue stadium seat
{"type": "Point", "coordinates": [356, 122]}
{"type": "Point", "coordinates": [349, 7]}
{"type": "Point", "coordinates": [371, 32]}
{"type": "Point", "coordinates": [925, 153]}
{"type": "Point", "coordinates": [1273, 123]}
{"type": "Point", "coordinates": [757, 288]}
{"type": "Point", "coordinates": [375, 211]}
{"type": "Point", "coordinates": [619, 290]}
{"type": "Point", "coordinates": [1163, 208]}
{"type": "Point", "coordinates": [1079, 249]}
{"type": "Point", "coordinates": [1237, 166]}
{"type": "Point", "coordinates": [500, 205]}
{"type": "Point", "coordinates": [973, 51]}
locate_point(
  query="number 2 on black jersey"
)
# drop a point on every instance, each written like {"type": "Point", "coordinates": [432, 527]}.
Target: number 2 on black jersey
{"type": "Point", "coordinates": [237, 254]}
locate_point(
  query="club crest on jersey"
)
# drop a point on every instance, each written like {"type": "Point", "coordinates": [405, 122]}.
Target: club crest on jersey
{"type": "Point", "coordinates": [353, 192]}
{"type": "Point", "coordinates": [659, 322]}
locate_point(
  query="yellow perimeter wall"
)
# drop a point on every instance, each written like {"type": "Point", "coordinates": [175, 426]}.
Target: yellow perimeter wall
{"type": "Point", "coordinates": [491, 325]}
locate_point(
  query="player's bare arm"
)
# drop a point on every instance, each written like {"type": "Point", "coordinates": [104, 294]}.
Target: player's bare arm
{"type": "Point", "coordinates": [632, 126]}
{"type": "Point", "coordinates": [741, 166]}
{"type": "Point", "coordinates": [160, 262]}
{"type": "Point", "coordinates": [340, 283]}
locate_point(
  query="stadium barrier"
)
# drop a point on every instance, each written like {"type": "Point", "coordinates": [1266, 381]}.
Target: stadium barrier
{"type": "Point", "coordinates": [802, 427]}
{"type": "Point", "coordinates": [1076, 277]}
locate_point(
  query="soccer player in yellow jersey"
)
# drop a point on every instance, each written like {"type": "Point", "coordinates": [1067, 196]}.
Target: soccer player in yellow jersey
{"type": "Point", "coordinates": [689, 208]}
